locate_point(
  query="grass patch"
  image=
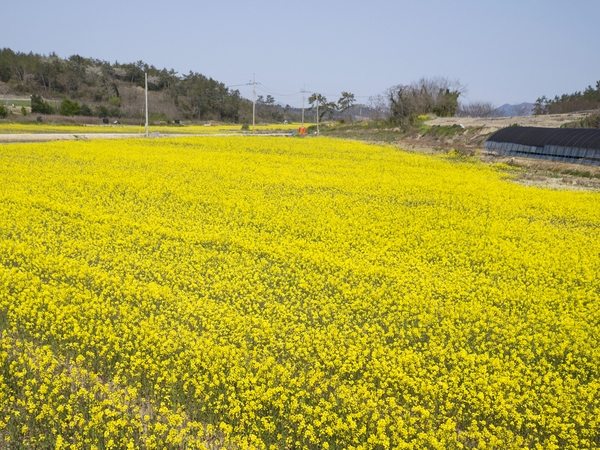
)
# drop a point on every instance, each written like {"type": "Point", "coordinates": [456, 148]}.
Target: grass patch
{"type": "Point", "coordinates": [441, 132]}
{"type": "Point", "coordinates": [17, 102]}
{"type": "Point", "coordinates": [580, 173]}
{"type": "Point", "coordinates": [382, 131]}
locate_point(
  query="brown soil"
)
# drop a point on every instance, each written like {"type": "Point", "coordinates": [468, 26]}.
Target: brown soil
{"type": "Point", "coordinates": [552, 174]}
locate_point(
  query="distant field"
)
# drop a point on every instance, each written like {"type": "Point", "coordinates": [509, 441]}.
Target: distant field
{"type": "Point", "coordinates": [42, 127]}
{"type": "Point", "coordinates": [275, 293]}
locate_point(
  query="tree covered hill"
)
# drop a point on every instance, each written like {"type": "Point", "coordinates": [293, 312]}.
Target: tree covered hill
{"type": "Point", "coordinates": [98, 88]}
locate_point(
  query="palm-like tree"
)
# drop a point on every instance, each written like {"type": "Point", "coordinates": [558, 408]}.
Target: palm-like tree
{"type": "Point", "coordinates": [345, 102]}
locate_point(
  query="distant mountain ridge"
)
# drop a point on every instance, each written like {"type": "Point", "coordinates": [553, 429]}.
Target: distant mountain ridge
{"type": "Point", "coordinates": [522, 109]}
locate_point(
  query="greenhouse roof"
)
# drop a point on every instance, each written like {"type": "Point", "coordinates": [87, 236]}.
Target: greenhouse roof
{"type": "Point", "coordinates": [540, 137]}
{"type": "Point", "coordinates": [574, 145]}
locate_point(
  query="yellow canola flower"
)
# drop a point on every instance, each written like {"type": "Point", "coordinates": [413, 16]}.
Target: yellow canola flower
{"type": "Point", "coordinates": [53, 128]}
{"type": "Point", "coordinates": [238, 292]}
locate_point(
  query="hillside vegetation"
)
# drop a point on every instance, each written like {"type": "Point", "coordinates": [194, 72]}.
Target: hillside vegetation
{"type": "Point", "coordinates": [102, 89]}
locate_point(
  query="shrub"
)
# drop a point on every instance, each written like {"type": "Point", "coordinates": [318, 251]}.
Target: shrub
{"type": "Point", "coordinates": [159, 117]}
{"type": "Point", "coordinates": [592, 121]}
{"type": "Point", "coordinates": [435, 95]}
{"type": "Point", "coordinates": [113, 111]}
{"type": "Point", "coordinates": [40, 106]}
{"type": "Point", "coordinates": [69, 108]}
{"type": "Point", "coordinates": [101, 111]}
{"type": "Point", "coordinates": [3, 112]}
{"type": "Point", "coordinates": [86, 111]}
{"type": "Point", "coordinates": [23, 110]}
{"type": "Point", "coordinates": [115, 101]}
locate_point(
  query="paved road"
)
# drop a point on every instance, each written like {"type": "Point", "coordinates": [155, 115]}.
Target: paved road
{"type": "Point", "coordinates": [44, 137]}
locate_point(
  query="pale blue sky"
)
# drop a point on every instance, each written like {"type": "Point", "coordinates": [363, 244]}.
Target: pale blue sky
{"type": "Point", "coordinates": [505, 52]}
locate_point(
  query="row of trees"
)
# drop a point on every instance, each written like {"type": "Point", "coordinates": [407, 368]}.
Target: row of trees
{"type": "Point", "coordinates": [266, 108]}
{"type": "Point", "coordinates": [578, 101]}
{"type": "Point", "coordinates": [329, 109]}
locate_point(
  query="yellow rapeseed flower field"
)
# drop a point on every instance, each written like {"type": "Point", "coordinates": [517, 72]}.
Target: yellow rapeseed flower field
{"type": "Point", "coordinates": [51, 128]}
{"type": "Point", "coordinates": [282, 293]}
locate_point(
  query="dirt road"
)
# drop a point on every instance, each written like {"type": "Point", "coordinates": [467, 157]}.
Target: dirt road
{"type": "Point", "coordinates": [62, 137]}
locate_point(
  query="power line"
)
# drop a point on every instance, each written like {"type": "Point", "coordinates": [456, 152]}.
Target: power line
{"type": "Point", "coordinates": [279, 94]}
{"type": "Point", "coordinates": [288, 94]}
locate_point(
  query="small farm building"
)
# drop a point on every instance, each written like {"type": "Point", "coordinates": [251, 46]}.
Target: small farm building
{"type": "Point", "coordinates": [574, 145]}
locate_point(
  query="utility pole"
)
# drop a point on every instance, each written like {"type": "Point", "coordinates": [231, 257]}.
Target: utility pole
{"type": "Point", "coordinates": [303, 92]}
{"type": "Point", "coordinates": [146, 77]}
{"type": "Point", "coordinates": [253, 83]}
{"type": "Point", "coordinates": [318, 95]}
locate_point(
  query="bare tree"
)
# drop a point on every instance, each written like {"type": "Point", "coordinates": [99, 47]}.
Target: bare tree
{"type": "Point", "coordinates": [379, 106]}
{"type": "Point", "coordinates": [477, 109]}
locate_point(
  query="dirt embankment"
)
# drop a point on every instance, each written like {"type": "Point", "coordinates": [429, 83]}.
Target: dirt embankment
{"type": "Point", "coordinates": [472, 132]}
{"type": "Point", "coordinates": [491, 124]}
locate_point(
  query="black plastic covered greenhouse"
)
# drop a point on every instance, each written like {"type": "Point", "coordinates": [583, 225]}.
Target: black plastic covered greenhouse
{"type": "Point", "coordinates": [574, 145]}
